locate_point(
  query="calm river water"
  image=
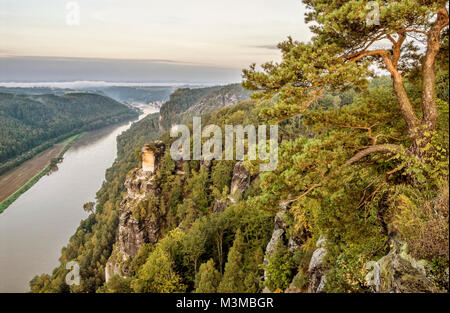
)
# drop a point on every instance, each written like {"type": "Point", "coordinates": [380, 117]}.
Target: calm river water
{"type": "Point", "coordinates": [38, 224]}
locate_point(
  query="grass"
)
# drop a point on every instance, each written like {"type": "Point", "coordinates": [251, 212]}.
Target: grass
{"type": "Point", "coordinates": [8, 201]}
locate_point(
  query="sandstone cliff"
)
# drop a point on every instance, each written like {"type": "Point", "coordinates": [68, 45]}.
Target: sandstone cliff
{"type": "Point", "coordinates": [135, 227]}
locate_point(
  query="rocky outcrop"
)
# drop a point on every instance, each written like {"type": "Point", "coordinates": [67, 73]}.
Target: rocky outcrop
{"type": "Point", "coordinates": [225, 97]}
{"type": "Point", "coordinates": [184, 103]}
{"type": "Point", "coordinates": [151, 155]}
{"type": "Point", "coordinates": [316, 268]}
{"type": "Point", "coordinates": [278, 231]}
{"type": "Point", "coordinates": [134, 229]}
{"type": "Point", "coordinates": [399, 272]}
{"type": "Point", "coordinates": [240, 181]}
{"type": "Point", "coordinates": [277, 235]}
{"type": "Point", "coordinates": [219, 206]}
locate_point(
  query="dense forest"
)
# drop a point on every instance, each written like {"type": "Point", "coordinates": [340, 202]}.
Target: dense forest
{"type": "Point", "coordinates": [361, 187]}
{"type": "Point", "coordinates": [32, 123]}
{"type": "Point", "coordinates": [123, 94]}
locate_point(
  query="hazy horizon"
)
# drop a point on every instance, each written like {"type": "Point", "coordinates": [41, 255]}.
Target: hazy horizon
{"type": "Point", "coordinates": [46, 69]}
{"type": "Point", "coordinates": [199, 41]}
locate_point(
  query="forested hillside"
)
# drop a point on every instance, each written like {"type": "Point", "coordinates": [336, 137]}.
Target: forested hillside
{"type": "Point", "coordinates": [31, 123]}
{"type": "Point", "coordinates": [358, 202]}
{"type": "Point", "coordinates": [123, 94]}
{"type": "Point", "coordinates": [198, 101]}
{"type": "Point", "coordinates": [129, 94]}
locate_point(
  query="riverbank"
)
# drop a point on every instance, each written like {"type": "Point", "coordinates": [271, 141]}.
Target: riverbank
{"type": "Point", "coordinates": [18, 180]}
{"type": "Point", "coordinates": [35, 228]}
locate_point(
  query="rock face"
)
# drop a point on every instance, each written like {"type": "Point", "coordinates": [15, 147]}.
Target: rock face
{"type": "Point", "coordinates": [148, 160]}
{"type": "Point", "coordinates": [316, 269]}
{"type": "Point", "coordinates": [133, 230]}
{"type": "Point", "coordinates": [240, 180]}
{"type": "Point", "coordinates": [222, 98]}
{"type": "Point", "coordinates": [219, 206]}
{"type": "Point", "coordinates": [398, 272]}
{"type": "Point", "coordinates": [151, 155]}
{"type": "Point", "coordinates": [277, 235]}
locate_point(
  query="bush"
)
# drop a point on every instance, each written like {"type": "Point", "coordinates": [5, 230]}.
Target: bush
{"type": "Point", "coordinates": [280, 269]}
{"type": "Point", "coordinates": [424, 224]}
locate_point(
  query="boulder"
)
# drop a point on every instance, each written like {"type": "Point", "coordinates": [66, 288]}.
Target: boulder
{"type": "Point", "coordinates": [219, 206]}
{"type": "Point", "coordinates": [399, 272]}
{"type": "Point", "coordinates": [316, 268]}
{"type": "Point", "coordinates": [240, 180]}
{"type": "Point", "coordinates": [277, 235]}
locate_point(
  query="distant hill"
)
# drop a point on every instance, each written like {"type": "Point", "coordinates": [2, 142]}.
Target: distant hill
{"type": "Point", "coordinates": [137, 94]}
{"type": "Point", "coordinates": [185, 102]}
{"type": "Point", "coordinates": [31, 123]}
{"type": "Point", "coordinates": [124, 94]}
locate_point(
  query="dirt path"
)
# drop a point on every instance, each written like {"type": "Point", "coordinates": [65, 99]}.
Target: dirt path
{"type": "Point", "coordinates": [11, 181]}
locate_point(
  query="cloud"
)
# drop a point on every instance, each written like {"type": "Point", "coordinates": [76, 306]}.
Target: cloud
{"type": "Point", "coordinates": [269, 47]}
{"type": "Point", "coordinates": [88, 60]}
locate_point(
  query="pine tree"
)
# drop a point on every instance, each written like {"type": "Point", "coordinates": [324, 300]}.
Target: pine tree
{"type": "Point", "coordinates": [200, 195]}
{"type": "Point", "coordinates": [157, 275]}
{"type": "Point", "coordinates": [339, 58]}
{"type": "Point", "coordinates": [234, 277]}
{"type": "Point", "coordinates": [207, 278]}
{"type": "Point", "coordinates": [221, 174]}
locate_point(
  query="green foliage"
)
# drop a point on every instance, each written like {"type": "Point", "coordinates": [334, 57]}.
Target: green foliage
{"type": "Point", "coordinates": [280, 269]}
{"type": "Point", "coordinates": [234, 276]}
{"type": "Point", "coordinates": [439, 269]}
{"type": "Point", "coordinates": [330, 192]}
{"type": "Point", "coordinates": [158, 274]}
{"type": "Point", "coordinates": [194, 244]}
{"type": "Point", "coordinates": [41, 284]}
{"type": "Point", "coordinates": [221, 174]}
{"type": "Point", "coordinates": [116, 284]}
{"type": "Point", "coordinates": [185, 103]}
{"type": "Point", "coordinates": [330, 109]}
{"type": "Point", "coordinates": [30, 124]}
{"type": "Point", "coordinates": [200, 194]}
{"type": "Point", "coordinates": [207, 278]}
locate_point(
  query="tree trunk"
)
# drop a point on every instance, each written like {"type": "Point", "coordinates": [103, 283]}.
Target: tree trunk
{"type": "Point", "coordinates": [429, 109]}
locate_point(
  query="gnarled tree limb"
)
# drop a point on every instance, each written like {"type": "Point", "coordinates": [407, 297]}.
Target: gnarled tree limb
{"type": "Point", "coordinates": [384, 148]}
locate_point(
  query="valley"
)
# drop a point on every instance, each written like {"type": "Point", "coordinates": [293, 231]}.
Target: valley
{"type": "Point", "coordinates": [37, 225]}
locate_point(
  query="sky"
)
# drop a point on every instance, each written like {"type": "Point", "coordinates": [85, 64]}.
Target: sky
{"type": "Point", "coordinates": [142, 40]}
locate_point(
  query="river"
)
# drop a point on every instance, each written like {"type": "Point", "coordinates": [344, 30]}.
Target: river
{"type": "Point", "coordinates": [38, 224]}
